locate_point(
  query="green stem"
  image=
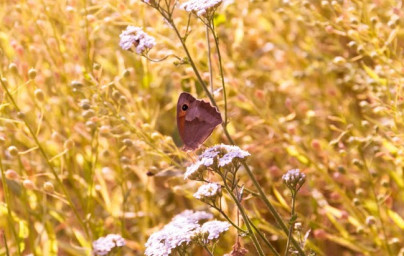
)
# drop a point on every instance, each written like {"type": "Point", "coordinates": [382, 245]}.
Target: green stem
{"type": "Point", "coordinates": [265, 239]}
{"type": "Point", "coordinates": [292, 223]}
{"type": "Point", "coordinates": [5, 244]}
{"type": "Point", "coordinates": [41, 149]}
{"type": "Point", "coordinates": [245, 218]}
{"type": "Point", "coordinates": [210, 96]}
{"type": "Point", "coordinates": [229, 220]}
{"type": "Point", "coordinates": [209, 61]}
{"type": "Point", "coordinates": [212, 28]}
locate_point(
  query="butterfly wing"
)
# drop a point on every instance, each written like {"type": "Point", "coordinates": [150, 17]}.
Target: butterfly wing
{"type": "Point", "coordinates": [197, 122]}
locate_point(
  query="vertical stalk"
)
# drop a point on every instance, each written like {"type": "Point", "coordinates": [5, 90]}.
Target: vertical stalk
{"type": "Point", "coordinates": [245, 218]}
{"type": "Point", "coordinates": [291, 222]}
{"type": "Point", "coordinates": [209, 61]}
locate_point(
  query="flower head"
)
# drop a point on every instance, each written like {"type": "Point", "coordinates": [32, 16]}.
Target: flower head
{"type": "Point", "coordinates": [214, 229]}
{"type": "Point", "coordinates": [201, 7]}
{"type": "Point", "coordinates": [136, 37]}
{"type": "Point", "coordinates": [195, 171]}
{"type": "Point", "coordinates": [294, 179]}
{"type": "Point", "coordinates": [103, 245]}
{"type": "Point", "coordinates": [179, 232]}
{"type": "Point", "coordinates": [209, 191]}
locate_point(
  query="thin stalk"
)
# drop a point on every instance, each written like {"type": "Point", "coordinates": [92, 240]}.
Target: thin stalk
{"type": "Point", "coordinates": [245, 218]}
{"type": "Point", "coordinates": [292, 223]}
{"type": "Point", "coordinates": [5, 244]}
{"type": "Point", "coordinates": [212, 28]}
{"type": "Point", "coordinates": [9, 215]}
{"type": "Point", "coordinates": [265, 239]}
{"type": "Point", "coordinates": [229, 220]}
{"type": "Point", "coordinates": [209, 61]}
{"type": "Point", "coordinates": [41, 149]}
{"type": "Point", "coordinates": [210, 96]}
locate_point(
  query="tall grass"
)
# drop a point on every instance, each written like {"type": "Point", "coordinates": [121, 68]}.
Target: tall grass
{"type": "Point", "coordinates": [89, 146]}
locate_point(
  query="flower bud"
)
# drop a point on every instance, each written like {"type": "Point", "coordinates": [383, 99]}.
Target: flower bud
{"type": "Point", "coordinates": [48, 187]}
{"type": "Point", "coordinates": [294, 179]}
{"type": "Point", "coordinates": [11, 174]}
{"type": "Point", "coordinates": [39, 95]}
{"type": "Point", "coordinates": [13, 150]}
{"type": "Point", "coordinates": [28, 184]}
{"type": "Point", "coordinates": [32, 73]}
{"type": "Point", "coordinates": [13, 68]}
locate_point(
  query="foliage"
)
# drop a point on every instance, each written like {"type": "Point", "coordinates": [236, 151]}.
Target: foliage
{"type": "Point", "coordinates": [89, 145]}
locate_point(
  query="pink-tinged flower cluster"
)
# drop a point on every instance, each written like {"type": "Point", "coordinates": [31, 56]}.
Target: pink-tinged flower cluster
{"type": "Point", "coordinates": [183, 229]}
{"type": "Point", "coordinates": [136, 37]}
{"type": "Point", "coordinates": [201, 7]}
{"type": "Point", "coordinates": [104, 245]}
{"type": "Point", "coordinates": [209, 191]}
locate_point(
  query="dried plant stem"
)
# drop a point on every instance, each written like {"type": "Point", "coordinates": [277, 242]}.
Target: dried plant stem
{"type": "Point", "coordinates": [58, 180]}
{"type": "Point", "coordinates": [9, 215]}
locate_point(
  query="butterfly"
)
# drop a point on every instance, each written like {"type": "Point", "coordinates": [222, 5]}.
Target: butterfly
{"type": "Point", "coordinates": [196, 120]}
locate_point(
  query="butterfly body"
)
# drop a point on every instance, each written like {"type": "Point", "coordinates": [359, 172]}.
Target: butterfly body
{"type": "Point", "coordinates": [196, 120]}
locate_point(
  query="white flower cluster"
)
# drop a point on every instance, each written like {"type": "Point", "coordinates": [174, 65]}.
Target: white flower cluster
{"type": "Point", "coordinates": [103, 245]}
{"type": "Point", "coordinates": [208, 191]}
{"type": "Point", "coordinates": [182, 230]}
{"type": "Point", "coordinates": [294, 179]}
{"type": "Point", "coordinates": [201, 7]}
{"type": "Point", "coordinates": [135, 36]}
{"type": "Point", "coordinates": [214, 228]}
{"type": "Point", "coordinates": [220, 155]}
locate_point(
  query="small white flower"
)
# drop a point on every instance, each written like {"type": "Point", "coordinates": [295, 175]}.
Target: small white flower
{"type": "Point", "coordinates": [136, 37]}
{"type": "Point", "coordinates": [201, 7]}
{"type": "Point", "coordinates": [103, 245]}
{"type": "Point", "coordinates": [195, 170]}
{"type": "Point", "coordinates": [294, 179]}
{"type": "Point", "coordinates": [179, 232]}
{"type": "Point", "coordinates": [208, 191]}
{"type": "Point", "coordinates": [214, 228]}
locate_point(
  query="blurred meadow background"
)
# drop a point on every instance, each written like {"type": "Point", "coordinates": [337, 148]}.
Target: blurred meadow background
{"type": "Point", "coordinates": [89, 144]}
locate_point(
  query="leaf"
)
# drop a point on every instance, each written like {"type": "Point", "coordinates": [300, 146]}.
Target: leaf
{"type": "Point", "coordinates": [396, 218]}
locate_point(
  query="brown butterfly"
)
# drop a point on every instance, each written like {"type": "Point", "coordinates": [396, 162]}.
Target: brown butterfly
{"type": "Point", "coordinates": [196, 120]}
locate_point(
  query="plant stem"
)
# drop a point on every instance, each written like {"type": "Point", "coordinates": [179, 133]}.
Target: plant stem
{"type": "Point", "coordinates": [291, 223]}
{"type": "Point", "coordinates": [265, 239]}
{"type": "Point", "coordinates": [229, 220]}
{"type": "Point", "coordinates": [209, 60]}
{"type": "Point", "coordinates": [212, 28]}
{"type": "Point", "coordinates": [245, 218]}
